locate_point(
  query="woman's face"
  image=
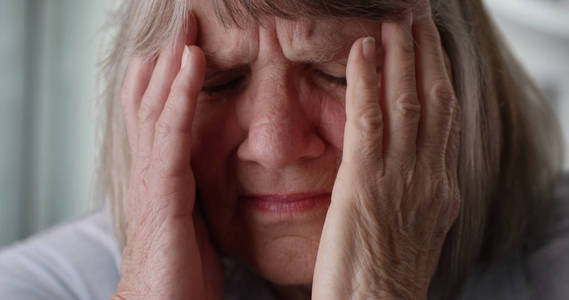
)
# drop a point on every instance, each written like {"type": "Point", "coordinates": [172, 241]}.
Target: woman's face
{"type": "Point", "coordinates": [267, 136]}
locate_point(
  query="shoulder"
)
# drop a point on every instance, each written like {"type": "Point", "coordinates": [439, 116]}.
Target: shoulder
{"type": "Point", "coordinates": [546, 258]}
{"type": "Point", "coordinates": [537, 269]}
{"type": "Point", "coordinates": [76, 260]}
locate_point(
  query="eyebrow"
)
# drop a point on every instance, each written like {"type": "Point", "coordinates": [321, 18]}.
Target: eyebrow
{"type": "Point", "coordinates": [217, 61]}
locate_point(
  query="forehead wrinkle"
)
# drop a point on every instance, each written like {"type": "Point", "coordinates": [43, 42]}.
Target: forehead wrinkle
{"type": "Point", "coordinates": [340, 42]}
{"type": "Point", "coordinates": [304, 41]}
{"type": "Point", "coordinates": [302, 29]}
{"type": "Point", "coordinates": [311, 42]}
{"type": "Point", "coordinates": [224, 52]}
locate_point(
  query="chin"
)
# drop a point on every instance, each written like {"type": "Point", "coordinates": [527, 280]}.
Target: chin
{"type": "Point", "coordinates": [277, 240]}
{"type": "Point", "coordinates": [283, 254]}
{"type": "Point", "coordinates": [287, 265]}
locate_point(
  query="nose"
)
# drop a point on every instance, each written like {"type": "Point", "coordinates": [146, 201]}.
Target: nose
{"type": "Point", "coordinates": [279, 131]}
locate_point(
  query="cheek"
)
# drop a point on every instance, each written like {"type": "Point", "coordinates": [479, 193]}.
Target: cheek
{"type": "Point", "coordinates": [327, 110]}
{"type": "Point", "coordinates": [215, 135]}
{"type": "Point", "coordinates": [332, 122]}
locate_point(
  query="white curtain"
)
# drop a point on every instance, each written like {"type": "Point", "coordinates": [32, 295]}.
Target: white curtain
{"type": "Point", "coordinates": [48, 54]}
{"type": "Point", "coordinates": [538, 32]}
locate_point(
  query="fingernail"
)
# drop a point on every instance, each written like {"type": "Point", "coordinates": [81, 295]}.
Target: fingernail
{"type": "Point", "coordinates": [369, 48]}
{"type": "Point", "coordinates": [185, 56]}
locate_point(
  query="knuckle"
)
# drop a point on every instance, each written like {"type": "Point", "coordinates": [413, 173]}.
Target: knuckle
{"type": "Point", "coordinates": [370, 120]}
{"type": "Point", "coordinates": [447, 196]}
{"type": "Point", "coordinates": [162, 128]}
{"type": "Point", "coordinates": [368, 131]}
{"type": "Point", "coordinates": [173, 104]}
{"type": "Point", "coordinates": [404, 169]}
{"type": "Point", "coordinates": [147, 113]}
{"type": "Point", "coordinates": [442, 94]}
{"type": "Point", "coordinates": [408, 107]}
{"type": "Point", "coordinates": [439, 187]}
{"type": "Point", "coordinates": [144, 175]}
{"type": "Point", "coordinates": [439, 199]}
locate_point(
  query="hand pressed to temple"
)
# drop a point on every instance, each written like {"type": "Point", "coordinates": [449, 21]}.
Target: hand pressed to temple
{"type": "Point", "coordinates": [396, 194]}
{"type": "Point", "coordinates": [168, 254]}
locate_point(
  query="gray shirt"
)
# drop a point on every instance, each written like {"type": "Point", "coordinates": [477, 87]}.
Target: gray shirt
{"type": "Point", "coordinates": [81, 260]}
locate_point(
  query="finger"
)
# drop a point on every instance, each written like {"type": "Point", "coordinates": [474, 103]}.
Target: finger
{"type": "Point", "coordinates": [167, 67]}
{"type": "Point", "coordinates": [435, 89]}
{"type": "Point", "coordinates": [452, 146]}
{"type": "Point", "coordinates": [174, 127]}
{"type": "Point", "coordinates": [400, 94]}
{"type": "Point", "coordinates": [363, 132]}
{"type": "Point", "coordinates": [133, 88]}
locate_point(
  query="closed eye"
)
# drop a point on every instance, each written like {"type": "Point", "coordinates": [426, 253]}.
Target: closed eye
{"type": "Point", "coordinates": [231, 83]}
{"type": "Point", "coordinates": [222, 86]}
{"type": "Point", "coordinates": [342, 81]}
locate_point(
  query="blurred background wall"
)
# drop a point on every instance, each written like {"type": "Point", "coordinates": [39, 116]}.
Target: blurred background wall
{"type": "Point", "coordinates": [538, 32]}
{"type": "Point", "coordinates": [48, 51]}
{"type": "Point", "coordinates": [48, 56]}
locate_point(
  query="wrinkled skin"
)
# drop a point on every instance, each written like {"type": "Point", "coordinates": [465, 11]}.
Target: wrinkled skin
{"type": "Point", "coordinates": [253, 116]}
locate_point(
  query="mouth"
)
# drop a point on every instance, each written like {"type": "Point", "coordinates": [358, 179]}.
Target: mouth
{"type": "Point", "coordinates": [283, 207]}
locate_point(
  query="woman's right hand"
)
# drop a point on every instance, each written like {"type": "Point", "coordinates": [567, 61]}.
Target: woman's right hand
{"type": "Point", "coordinates": [168, 254]}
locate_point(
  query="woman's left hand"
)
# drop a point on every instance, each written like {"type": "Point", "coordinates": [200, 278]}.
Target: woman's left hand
{"type": "Point", "coordinates": [396, 194]}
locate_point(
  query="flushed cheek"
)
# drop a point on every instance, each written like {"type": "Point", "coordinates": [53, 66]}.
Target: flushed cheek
{"type": "Point", "coordinates": [327, 108]}
{"type": "Point", "coordinates": [333, 120]}
{"type": "Point", "coordinates": [215, 136]}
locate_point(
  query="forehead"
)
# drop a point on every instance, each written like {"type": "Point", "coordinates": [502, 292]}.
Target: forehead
{"type": "Point", "coordinates": [321, 40]}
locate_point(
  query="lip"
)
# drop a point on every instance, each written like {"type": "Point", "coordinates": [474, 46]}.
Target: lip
{"type": "Point", "coordinates": [281, 207]}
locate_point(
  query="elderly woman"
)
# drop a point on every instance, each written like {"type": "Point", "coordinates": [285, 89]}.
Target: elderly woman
{"type": "Point", "coordinates": [266, 149]}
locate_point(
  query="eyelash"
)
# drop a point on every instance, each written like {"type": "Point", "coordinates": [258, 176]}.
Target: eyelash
{"type": "Point", "coordinates": [219, 88]}
{"type": "Point", "coordinates": [340, 81]}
